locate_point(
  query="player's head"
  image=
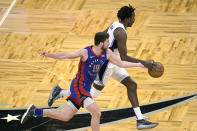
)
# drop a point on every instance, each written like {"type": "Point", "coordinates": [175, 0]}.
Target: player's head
{"type": "Point", "coordinates": [102, 39]}
{"type": "Point", "coordinates": [127, 14]}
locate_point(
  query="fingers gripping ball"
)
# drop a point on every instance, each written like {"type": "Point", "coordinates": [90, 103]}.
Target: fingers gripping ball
{"type": "Point", "coordinates": [157, 71]}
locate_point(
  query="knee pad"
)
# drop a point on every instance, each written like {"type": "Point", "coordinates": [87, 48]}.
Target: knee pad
{"type": "Point", "coordinates": [88, 101]}
{"type": "Point", "coordinates": [94, 92]}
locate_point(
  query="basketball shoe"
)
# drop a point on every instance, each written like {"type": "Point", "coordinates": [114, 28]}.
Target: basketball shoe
{"type": "Point", "coordinates": [144, 124]}
{"type": "Point", "coordinates": [54, 95]}
{"type": "Point", "coordinates": [28, 114]}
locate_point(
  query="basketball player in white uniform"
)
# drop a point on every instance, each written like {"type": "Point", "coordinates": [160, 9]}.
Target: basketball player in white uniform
{"type": "Point", "coordinates": [117, 38]}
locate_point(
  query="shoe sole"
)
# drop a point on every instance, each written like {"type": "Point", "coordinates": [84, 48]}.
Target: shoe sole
{"type": "Point", "coordinates": [26, 113]}
{"type": "Point", "coordinates": [51, 95]}
{"type": "Point", "coordinates": [147, 127]}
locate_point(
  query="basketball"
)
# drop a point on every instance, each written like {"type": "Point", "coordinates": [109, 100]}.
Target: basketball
{"type": "Point", "coordinates": [157, 71]}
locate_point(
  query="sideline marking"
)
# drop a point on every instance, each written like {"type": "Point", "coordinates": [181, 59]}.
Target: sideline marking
{"type": "Point", "coordinates": [7, 12]}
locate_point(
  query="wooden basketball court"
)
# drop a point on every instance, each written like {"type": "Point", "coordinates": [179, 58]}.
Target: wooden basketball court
{"type": "Point", "coordinates": [164, 30]}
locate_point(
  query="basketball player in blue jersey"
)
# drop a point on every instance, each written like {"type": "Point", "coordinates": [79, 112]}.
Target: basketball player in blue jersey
{"type": "Point", "coordinates": [91, 60]}
{"type": "Point", "coordinates": [117, 39]}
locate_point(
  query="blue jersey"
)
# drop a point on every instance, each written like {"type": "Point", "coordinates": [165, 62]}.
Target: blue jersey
{"type": "Point", "coordinates": [88, 70]}
{"type": "Point", "coordinates": [87, 73]}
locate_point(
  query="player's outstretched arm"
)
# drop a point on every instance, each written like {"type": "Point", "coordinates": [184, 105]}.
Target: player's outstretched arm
{"type": "Point", "coordinates": [123, 64]}
{"type": "Point", "coordinates": [65, 55]}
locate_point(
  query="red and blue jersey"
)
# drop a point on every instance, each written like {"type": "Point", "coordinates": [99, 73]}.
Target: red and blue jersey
{"type": "Point", "coordinates": [87, 73]}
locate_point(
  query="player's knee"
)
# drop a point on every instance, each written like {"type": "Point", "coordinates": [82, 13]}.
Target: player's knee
{"type": "Point", "coordinates": [132, 86]}
{"type": "Point", "coordinates": [96, 114]}
{"type": "Point", "coordinates": [65, 118]}
{"type": "Point", "coordinates": [99, 114]}
{"type": "Point", "coordinates": [129, 83]}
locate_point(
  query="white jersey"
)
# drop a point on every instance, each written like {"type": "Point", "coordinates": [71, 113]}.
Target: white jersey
{"type": "Point", "coordinates": [108, 69]}
{"type": "Point", "coordinates": [113, 42]}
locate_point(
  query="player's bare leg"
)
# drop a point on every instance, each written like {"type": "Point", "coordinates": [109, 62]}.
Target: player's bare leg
{"type": "Point", "coordinates": [131, 91]}
{"type": "Point", "coordinates": [64, 114]}
{"type": "Point", "coordinates": [96, 114]}
{"type": "Point", "coordinates": [142, 123]}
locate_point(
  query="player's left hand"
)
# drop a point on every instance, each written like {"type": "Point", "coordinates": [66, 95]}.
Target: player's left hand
{"type": "Point", "coordinates": [150, 64]}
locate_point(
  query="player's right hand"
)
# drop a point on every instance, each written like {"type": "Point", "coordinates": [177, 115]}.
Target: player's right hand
{"type": "Point", "coordinates": [149, 64]}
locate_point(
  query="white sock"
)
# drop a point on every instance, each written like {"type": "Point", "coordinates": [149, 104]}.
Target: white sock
{"type": "Point", "coordinates": [94, 92]}
{"type": "Point", "coordinates": [138, 113]}
{"type": "Point", "coordinates": [64, 92]}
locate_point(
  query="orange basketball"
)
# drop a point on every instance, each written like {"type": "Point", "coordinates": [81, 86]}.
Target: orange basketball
{"type": "Point", "coordinates": [157, 71]}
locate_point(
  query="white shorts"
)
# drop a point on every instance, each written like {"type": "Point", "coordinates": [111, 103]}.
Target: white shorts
{"type": "Point", "coordinates": [110, 70]}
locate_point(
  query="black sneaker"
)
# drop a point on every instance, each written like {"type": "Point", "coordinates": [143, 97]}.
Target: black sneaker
{"type": "Point", "coordinates": [54, 95]}
{"type": "Point", "coordinates": [28, 114]}
{"type": "Point", "coordinates": [144, 124]}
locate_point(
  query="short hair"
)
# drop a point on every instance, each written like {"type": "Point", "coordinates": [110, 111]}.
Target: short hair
{"type": "Point", "coordinates": [125, 12]}
{"type": "Point", "coordinates": [100, 37]}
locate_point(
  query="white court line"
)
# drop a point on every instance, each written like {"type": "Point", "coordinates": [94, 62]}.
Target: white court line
{"type": "Point", "coordinates": [7, 12]}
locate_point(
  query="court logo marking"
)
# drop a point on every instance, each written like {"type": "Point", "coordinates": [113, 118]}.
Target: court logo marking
{"type": "Point", "coordinates": [10, 117]}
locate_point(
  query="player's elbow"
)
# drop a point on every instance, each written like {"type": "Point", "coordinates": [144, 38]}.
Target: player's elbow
{"type": "Point", "coordinates": [65, 119]}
